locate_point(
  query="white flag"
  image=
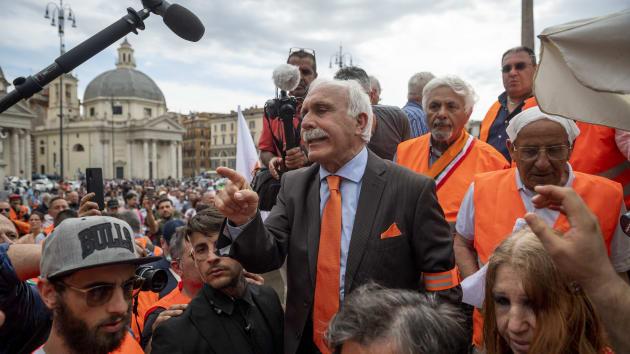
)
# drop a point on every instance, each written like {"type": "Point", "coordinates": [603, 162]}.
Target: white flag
{"type": "Point", "coordinates": [246, 155]}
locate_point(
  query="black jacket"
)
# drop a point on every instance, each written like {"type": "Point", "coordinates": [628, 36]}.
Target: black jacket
{"type": "Point", "coordinates": [207, 325]}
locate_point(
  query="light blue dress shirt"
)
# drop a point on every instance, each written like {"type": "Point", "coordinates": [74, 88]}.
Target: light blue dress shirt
{"type": "Point", "coordinates": [351, 179]}
{"type": "Point", "coordinates": [417, 119]}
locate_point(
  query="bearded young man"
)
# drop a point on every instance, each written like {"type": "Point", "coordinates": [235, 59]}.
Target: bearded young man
{"type": "Point", "coordinates": [88, 281]}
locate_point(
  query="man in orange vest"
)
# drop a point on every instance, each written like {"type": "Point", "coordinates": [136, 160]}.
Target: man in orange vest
{"type": "Point", "coordinates": [518, 66]}
{"type": "Point", "coordinates": [184, 265]}
{"type": "Point", "coordinates": [448, 154]}
{"type": "Point", "coordinates": [22, 227]}
{"type": "Point", "coordinates": [540, 146]}
{"type": "Point", "coordinates": [603, 151]}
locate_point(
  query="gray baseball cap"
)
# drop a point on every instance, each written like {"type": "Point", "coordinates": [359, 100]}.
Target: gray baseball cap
{"type": "Point", "coordinates": [87, 242]}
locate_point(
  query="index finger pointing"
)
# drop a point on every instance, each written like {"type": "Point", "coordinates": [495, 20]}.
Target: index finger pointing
{"type": "Point", "coordinates": [232, 175]}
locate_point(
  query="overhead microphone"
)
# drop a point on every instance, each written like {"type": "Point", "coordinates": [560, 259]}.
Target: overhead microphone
{"type": "Point", "coordinates": [178, 18]}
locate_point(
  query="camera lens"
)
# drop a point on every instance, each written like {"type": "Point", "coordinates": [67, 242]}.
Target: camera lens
{"type": "Point", "coordinates": [155, 280]}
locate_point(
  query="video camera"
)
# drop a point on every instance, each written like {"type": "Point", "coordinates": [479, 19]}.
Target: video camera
{"type": "Point", "coordinates": [286, 77]}
{"type": "Point", "coordinates": [155, 279]}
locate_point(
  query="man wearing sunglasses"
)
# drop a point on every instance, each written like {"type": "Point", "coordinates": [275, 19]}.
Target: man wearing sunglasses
{"type": "Point", "coordinates": [272, 136]}
{"type": "Point", "coordinates": [540, 146]}
{"type": "Point", "coordinates": [87, 280]}
{"type": "Point", "coordinates": [518, 66]}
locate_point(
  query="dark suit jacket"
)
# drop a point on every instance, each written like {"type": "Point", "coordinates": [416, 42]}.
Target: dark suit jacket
{"type": "Point", "coordinates": [389, 193]}
{"type": "Point", "coordinates": [201, 329]}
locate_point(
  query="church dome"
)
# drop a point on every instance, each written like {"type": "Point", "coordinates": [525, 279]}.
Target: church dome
{"type": "Point", "coordinates": [123, 82]}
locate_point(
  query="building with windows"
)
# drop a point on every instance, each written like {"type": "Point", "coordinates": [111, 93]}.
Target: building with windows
{"type": "Point", "coordinates": [210, 139]}
{"type": "Point", "coordinates": [15, 137]}
{"type": "Point", "coordinates": [125, 127]}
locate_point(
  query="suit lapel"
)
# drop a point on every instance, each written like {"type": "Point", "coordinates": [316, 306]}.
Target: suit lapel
{"type": "Point", "coordinates": [371, 191]}
{"type": "Point", "coordinates": [314, 224]}
{"type": "Point", "coordinates": [208, 324]}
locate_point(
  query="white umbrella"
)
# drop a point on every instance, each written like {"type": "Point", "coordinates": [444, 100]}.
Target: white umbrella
{"type": "Point", "coordinates": [584, 70]}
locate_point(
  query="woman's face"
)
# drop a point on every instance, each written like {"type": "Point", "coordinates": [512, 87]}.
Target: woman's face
{"type": "Point", "coordinates": [35, 221]}
{"type": "Point", "coordinates": [516, 320]}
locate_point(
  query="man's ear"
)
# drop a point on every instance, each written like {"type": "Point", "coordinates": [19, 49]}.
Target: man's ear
{"type": "Point", "coordinates": [362, 121]}
{"type": "Point", "coordinates": [176, 268]}
{"type": "Point", "coordinates": [511, 151]}
{"type": "Point", "coordinates": [48, 293]}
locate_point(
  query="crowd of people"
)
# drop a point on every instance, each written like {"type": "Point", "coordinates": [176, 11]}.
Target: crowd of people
{"type": "Point", "coordinates": [397, 231]}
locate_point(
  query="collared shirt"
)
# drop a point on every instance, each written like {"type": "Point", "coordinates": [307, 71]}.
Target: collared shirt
{"type": "Point", "coordinates": [434, 154]}
{"type": "Point", "coordinates": [417, 118]}
{"type": "Point", "coordinates": [465, 226]}
{"type": "Point", "coordinates": [351, 180]}
{"type": "Point", "coordinates": [350, 187]}
{"type": "Point", "coordinates": [498, 134]}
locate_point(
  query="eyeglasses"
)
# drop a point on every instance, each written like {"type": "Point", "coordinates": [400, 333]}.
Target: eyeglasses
{"type": "Point", "coordinates": [554, 153]}
{"type": "Point", "coordinates": [302, 50]}
{"type": "Point", "coordinates": [518, 66]}
{"type": "Point", "coordinates": [202, 251]}
{"type": "Point", "coordinates": [5, 210]}
{"type": "Point", "coordinates": [101, 294]}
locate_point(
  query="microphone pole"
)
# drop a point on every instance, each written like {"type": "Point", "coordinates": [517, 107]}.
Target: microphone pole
{"type": "Point", "coordinates": [27, 87]}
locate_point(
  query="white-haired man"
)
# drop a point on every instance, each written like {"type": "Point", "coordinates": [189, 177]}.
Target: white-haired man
{"type": "Point", "coordinates": [540, 145]}
{"type": "Point", "coordinates": [346, 220]}
{"type": "Point", "coordinates": [448, 154]}
{"type": "Point", "coordinates": [413, 108]}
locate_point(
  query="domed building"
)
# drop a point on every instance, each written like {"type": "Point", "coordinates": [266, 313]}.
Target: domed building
{"type": "Point", "coordinates": [124, 128]}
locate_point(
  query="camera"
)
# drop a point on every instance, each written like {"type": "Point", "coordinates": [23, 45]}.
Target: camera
{"type": "Point", "coordinates": [284, 107]}
{"type": "Point", "coordinates": [155, 279]}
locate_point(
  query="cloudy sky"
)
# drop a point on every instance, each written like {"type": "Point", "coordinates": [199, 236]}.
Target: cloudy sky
{"type": "Point", "coordinates": [246, 39]}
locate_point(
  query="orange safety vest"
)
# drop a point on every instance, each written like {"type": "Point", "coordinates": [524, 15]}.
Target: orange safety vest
{"type": "Point", "coordinates": [480, 157]}
{"type": "Point", "coordinates": [48, 229]}
{"type": "Point", "coordinates": [13, 215]}
{"type": "Point", "coordinates": [493, 112]}
{"type": "Point", "coordinates": [146, 300]}
{"type": "Point", "coordinates": [498, 204]}
{"type": "Point", "coordinates": [129, 346]}
{"type": "Point", "coordinates": [595, 151]}
{"type": "Point", "coordinates": [175, 297]}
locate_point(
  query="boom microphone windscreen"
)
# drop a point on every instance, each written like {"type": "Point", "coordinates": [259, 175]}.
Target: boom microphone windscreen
{"type": "Point", "coordinates": [183, 22]}
{"type": "Point", "coordinates": [286, 77]}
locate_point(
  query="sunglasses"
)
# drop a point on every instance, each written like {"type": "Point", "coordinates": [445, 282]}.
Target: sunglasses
{"type": "Point", "coordinates": [101, 294]}
{"type": "Point", "coordinates": [5, 210]}
{"type": "Point", "coordinates": [518, 66]}
{"type": "Point", "coordinates": [302, 50]}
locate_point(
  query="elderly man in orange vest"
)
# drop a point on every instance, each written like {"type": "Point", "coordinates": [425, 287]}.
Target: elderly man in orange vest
{"type": "Point", "coordinates": [518, 66]}
{"type": "Point", "coordinates": [448, 154]}
{"type": "Point", "coordinates": [540, 145]}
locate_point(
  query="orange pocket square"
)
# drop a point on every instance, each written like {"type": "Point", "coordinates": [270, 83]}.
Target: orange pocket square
{"type": "Point", "coordinates": [392, 231]}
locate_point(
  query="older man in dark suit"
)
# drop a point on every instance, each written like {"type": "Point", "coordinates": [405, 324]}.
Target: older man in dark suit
{"type": "Point", "coordinates": [348, 219]}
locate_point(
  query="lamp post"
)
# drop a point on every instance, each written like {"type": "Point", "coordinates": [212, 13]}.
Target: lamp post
{"type": "Point", "coordinates": [62, 13]}
{"type": "Point", "coordinates": [340, 58]}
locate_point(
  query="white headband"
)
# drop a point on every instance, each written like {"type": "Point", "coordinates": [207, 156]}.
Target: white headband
{"type": "Point", "coordinates": [533, 114]}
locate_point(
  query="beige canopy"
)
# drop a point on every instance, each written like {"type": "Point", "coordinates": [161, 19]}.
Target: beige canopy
{"type": "Point", "coordinates": [584, 70]}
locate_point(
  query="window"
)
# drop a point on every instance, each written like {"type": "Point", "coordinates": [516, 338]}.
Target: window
{"type": "Point", "coordinates": [214, 140]}
{"type": "Point", "coordinates": [223, 140]}
{"type": "Point", "coordinates": [78, 148]}
{"type": "Point", "coordinates": [54, 158]}
{"type": "Point", "coordinates": [231, 126]}
{"type": "Point", "coordinates": [222, 127]}
{"type": "Point", "coordinates": [117, 109]}
{"type": "Point", "coordinates": [68, 92]}
{"type": "Point", "coordinates": [252, 124]}
{"type": "Point", "coordinates": [231, 139]}
{"type": "Point", "coordinates": [77, 135]}
{"type": "Point", "coordinates": [41, 150]}
{"type": "Point", "coordinates": [91, 111]}
{"type": "Point", "coordinates": [147, 112]}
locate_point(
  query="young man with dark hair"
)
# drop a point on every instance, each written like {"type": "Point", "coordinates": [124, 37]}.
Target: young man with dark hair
{"type": "Point", "coordinates": [229, 315]}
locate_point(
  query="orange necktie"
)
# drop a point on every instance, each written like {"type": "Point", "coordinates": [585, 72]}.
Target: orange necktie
{"type": "Point", "coordinates": [328, 265]}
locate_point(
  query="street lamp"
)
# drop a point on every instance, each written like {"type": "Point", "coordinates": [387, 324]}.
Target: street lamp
{"type": "Point", "coordinates": [340, 58]}
{"type": "Point", "coordinates": [62, 13]}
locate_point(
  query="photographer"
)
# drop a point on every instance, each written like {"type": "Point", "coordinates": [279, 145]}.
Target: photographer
{"type": "Point", "coordinates": [272, 140]}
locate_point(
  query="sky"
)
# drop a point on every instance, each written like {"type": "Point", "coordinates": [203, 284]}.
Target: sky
{"type": "Point", "coordinates": [245, 40]}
